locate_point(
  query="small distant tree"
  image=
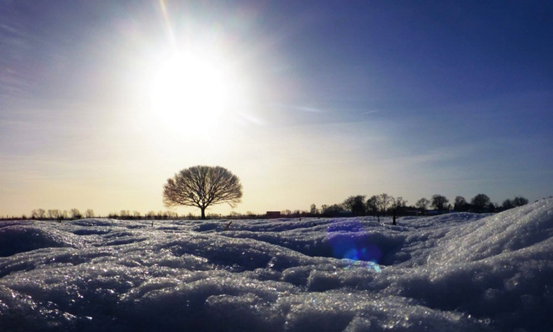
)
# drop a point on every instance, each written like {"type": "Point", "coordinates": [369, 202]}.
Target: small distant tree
{"type": "Point", "coordinates": [460, 204]}
{"type": "Point", "coordinates": [512, 203]}
{"type": "Point", "coordinates": [507, 204]}
{"type": "Point", "coordinates": [384, 201]}
{"type": "Point", "coordinates": [492, 207]}
{"type": "Point", "coordinates": [313, 210]}
{"type": "Point", "coordinates": [202, 186]}
{"type": "Point", "coordinates": [333, 210]}
{"type": "Point", "coordinates": [356, 204]}
{"type": "Point", "coordinates": [439, 202]}
{"type": "Point", "coordinates": [235, 215]}
{"type": "Point", "coordinates": [89, 213]}
{"type": "Point", "coordinates": [174, 215]}
{"type": "Point", "coordinates": [399, 204]}
{"type": "Point", "coordinates": [422, 204]}
{"type": "Point", "coordinates": [54, 214]}
{"type": "Point", "coordinates": [519, 201]}
{"type": "Point", "coordinates": [372, 205]}
{"type": "Point", "coordinates": [38, 214]}
{"type": "Point", "coordinates": [76, 214]}
{"type": "Point", "coordinates": [480, 202]}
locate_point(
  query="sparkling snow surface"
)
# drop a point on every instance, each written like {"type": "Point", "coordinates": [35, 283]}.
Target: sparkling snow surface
{"type": "Point", "coordinates": [455, 272]}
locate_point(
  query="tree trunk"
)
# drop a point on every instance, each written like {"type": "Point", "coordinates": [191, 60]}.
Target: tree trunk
{"type": "Point", "coordinates": [203, 213]}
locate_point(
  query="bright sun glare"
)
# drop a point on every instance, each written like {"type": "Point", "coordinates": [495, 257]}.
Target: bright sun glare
{"type": "Point", "coordinates": [189, 93]}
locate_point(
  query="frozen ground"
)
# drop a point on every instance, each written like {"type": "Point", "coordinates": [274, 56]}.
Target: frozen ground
{"type": "Point", "coordinates": [456, 272]}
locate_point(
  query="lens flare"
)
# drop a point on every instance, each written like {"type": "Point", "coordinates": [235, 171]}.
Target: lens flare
{"type": "Point", "coordinates": [362, 264]}
{"type": "Point", "coordinates": [352, 243]}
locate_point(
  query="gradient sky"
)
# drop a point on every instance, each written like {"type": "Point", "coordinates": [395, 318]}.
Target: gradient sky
{"type": "Point", "coordinates": [337, 98]}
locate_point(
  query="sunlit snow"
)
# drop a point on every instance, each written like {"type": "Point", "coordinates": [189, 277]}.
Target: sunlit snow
{"type": "Point", "coordinates": [454, 272]}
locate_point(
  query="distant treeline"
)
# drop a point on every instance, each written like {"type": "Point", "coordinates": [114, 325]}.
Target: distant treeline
{"type": "Point", "coordinates": [74, 214]}
{"type": "Point", "coordinates": [359, 205]}
{"type": "Point", "coordinates": [384, 204]}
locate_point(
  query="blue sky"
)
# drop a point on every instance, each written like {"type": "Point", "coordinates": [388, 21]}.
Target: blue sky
{"type": "Point", "coordinates": [336, 98]}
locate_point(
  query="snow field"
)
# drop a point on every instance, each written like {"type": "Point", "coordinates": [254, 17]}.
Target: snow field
{"type": "Point", "coordinates": [455, 272]}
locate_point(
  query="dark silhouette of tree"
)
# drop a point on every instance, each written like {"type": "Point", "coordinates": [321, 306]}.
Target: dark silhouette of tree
{"type": "Point", "coordinates": [384, 201]}
{"type": "Point", "coordinates": [422, 204]}
{"type": "Point", "coordinates": [398, 207]}
{"type": "Point", "coordinates": [372, 205]}
{"type": "Point", "coordinates": [460, 204]}
{"type": "Point", "coordinates": [89, 213]}
{"type": "Point", "coordinates": [519, 201]}
{"type": "Point", "coordinates": [76, 214]}
{"type": "Point", "coordinates": [439, 202]}
{"type": "Point", "coordinates": [38, 214]}
{"type": "Point", "coordinates": [399, 204]}
{"type": "Point", "coordinates": [202, 186]}
{"type": "Point", "coordinates": [480, 202]}
{"type": "Point", "coordinates": [492, 207]}
{"type": "Point", "coordinates": [507, 204]}
{"type": "Point", "coordinates": [54, 214]}
{"type": "Point", "coordinates": [512, 203]}
{"type": "Point", "coordinates": [333, 210]}
{"type": "Point", "coordinates": [313, 210]}
{"type": "Point", "coordinates": [356, 204]}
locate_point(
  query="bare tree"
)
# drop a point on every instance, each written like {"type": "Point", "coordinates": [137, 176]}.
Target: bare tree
{"type": "Point", "coordinates": [372, 205]}
{"type": "Point", "coordinates": [313, 210]}
{"type": "Point", "coordinates": [76, 214]}
{"type": "Point", "coordinates": [89, 213]}
{"type": "Point", "coordinates": [54, 214]}
{"type": "Point", "coordinates": [38, 214]}
{"type": "Point", "coordinates": [332, 210]}
{"type": "Point", "coordinates": [356, 204]}
{"type": "Point", "coordinates": [460, 204]}
{"type": "Point", "coordinates": [507, 204]}
{"type": "Point", "coordinates": [422, 204]}
{"type": "Point", "coordinates": [439, 202]}
{"type": "Point", "coordinates": [520, 201]}
{"type": "Point", "coordinates": [384, 201]}
{"type": "Point", "coordinates": [399, 203]}
{"type": "Point", "coordinates": [480, 202]}
{"type": "Point", "coordinates": [398, 206]}
{"type": "Point", "coordinates": [202, 186]}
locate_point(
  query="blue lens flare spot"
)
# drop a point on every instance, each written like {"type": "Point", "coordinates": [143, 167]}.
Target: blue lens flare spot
{"type": "Point", "coordinates": [351, 242]}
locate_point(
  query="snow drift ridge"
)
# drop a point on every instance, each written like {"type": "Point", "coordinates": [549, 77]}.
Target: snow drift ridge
{"type": "Point", "coordinates": [455, 272]}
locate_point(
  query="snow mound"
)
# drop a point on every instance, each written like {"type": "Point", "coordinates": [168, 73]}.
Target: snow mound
{"type": "Point", "coordinates": [27, 237]}
{"type": "Point", "coordinates": [529, 226]}
{"type": "Point", "coordinates": [455, 272]}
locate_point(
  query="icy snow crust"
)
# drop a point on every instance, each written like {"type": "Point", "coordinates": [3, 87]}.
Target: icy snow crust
{"type": "Point", "coordinates": [455, 272]}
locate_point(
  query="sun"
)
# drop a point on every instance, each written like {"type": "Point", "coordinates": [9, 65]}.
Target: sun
{"type": "Point", "coordinates": [189, 92]}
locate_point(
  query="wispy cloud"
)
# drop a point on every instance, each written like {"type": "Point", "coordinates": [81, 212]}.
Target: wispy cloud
{"type": "Point", "coordinates": [309, 109]}
{"type": "Point", "coordinates": [370, 112]}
